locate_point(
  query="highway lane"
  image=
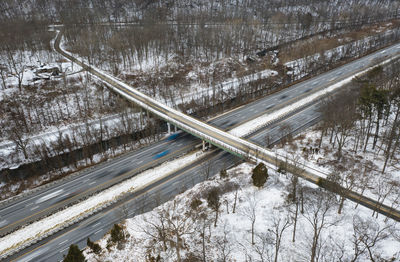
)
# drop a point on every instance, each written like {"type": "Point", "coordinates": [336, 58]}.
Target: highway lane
{"type": "Point", "coordinates": [159, 192]}
{"type": "Point", "coordinates": [95, 227]}
{"type": "Point", "coordinates": [218, 137]}
{"type": "Point", "coordinates": [35, 204]}
{"type": "Point", "coordinates": [283, 97]}
{"type": "Point", "coordinates": [45, 201]}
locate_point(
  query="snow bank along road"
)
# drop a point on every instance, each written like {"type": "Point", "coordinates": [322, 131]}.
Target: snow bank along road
{"type": "Point", "coordinates": [163, 189]}
{"type": "Point", "coordinates": [28, 208]}
{"type": "Point", "coordinates": [43, 201]}
{"type": "Point", "coordinates": [231, 143]}
{"type": "Point", "coordinates": [260, 138]}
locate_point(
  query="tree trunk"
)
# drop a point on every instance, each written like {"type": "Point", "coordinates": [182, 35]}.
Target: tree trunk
{"type": "Point", "coordinates": [216, 218]}
{"type": "Point", "coordinates": [177, 247]}
{"type": "Point", "coordinates": [203, 241]}
{"type": "Point", "coordinates": [368, 134]}
{"type": "Point", "coordinates": [341, 205]}
{"type": "Point", "coordinates": [295, 222]}
{"type": "Point", "coordinates": [252, 232]}
{"type": "Point", "coordinates": [234, 203]}
{"type": "Point", "coordinates": [314, 246]}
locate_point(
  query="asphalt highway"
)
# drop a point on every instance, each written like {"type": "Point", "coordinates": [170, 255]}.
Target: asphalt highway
{"type": "Point", "coordinates": [48, 200]}
{"type": "Point", "coordinates": [53, 248]}
{"type": "Point", "coordinates": [42, 202]}
{"type": "Point", "coordinates": [207, 132]}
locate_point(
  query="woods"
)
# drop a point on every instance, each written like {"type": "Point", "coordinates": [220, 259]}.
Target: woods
{"type": "Point", "coordinates": [261, 229]}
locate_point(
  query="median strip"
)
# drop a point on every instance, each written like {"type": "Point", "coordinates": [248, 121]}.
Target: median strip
{"type": "Point", "coordinates": [32, 233]}
{"type": "Point", "coordinates": [266, 119]}
{"type": "Point", "coordinates": [36, 231]}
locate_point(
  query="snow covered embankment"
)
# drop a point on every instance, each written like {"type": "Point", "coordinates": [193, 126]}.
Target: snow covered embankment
{"type": "Point", "coordinates": [32, 233]}
{"type": "Point", "coordinates": [45, 227]}
{"type": "Point", "coordinates": [266, 119]}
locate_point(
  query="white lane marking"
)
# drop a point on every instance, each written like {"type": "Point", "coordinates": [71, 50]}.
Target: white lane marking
{"type": "Point", "coordinates": [62, 251]}
{"type": "Point", "coordinates": [65, 241]}
{"type": "Point", "coordinates": [384, 51]}
{"type": "Point", "coordinates": [86, 180]}
{"type": "Point", "coordinates": [129, 158]}
{"type": "Point", "coordinates": [33, 208]}
{"type": "Point", "coordinates": [31, 256]}
{"type": "Point", "coordinates": [98, 231]}
{"type": "Point", "coordinates": [3, 222]}
{"type": "Point", "coordinates": [331, 79]}
{"type": "Point", "coordinates": [141, 161]}
{"type": "Point", "coordinates": [92, 183]}
{"type": "Point", "coordinates": [48, 196]}
{"type": "Point", "coordinates": [95, 225]}
{"type": "Point", "coordinates": [179, 144]}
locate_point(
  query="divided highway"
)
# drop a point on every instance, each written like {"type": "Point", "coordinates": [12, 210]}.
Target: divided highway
{"type": "Point", "coordinates": [77, 187]}
{"type": "Point", "coordinates": [53, 248]}
{"type": "Point", "coordinates": [43, 202]}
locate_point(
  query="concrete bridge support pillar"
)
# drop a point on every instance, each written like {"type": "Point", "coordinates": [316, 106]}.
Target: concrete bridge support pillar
{"type": "Point", "coordinates": [169, 128]}
{"type": "Point", "coordinates": [206, 145]}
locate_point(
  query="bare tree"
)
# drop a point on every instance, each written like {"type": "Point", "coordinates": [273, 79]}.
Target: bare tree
{"type": "Point", "coordinates": [206, 169]}
{"type": "Point", "coordinates": [17, 66]}
{"type": "Point", "coordinates": [21, 143]}
{"type": "Point", "coordinates": [224, 248]}
{"type": "Point", "coordinates": [213, 200]}
{"type": "Point", "coordinates": [367, 234]}
{"type": "Point", "coordinates": [317, 215]}
{"type": "Point", "coordinates": [169, 225]}
{"type": "Point", "coordinates": [250, 212]}
{"type": "Point", "coordinates": [279, 225]}
{"type": "Point", "coordinates": [261, 247]}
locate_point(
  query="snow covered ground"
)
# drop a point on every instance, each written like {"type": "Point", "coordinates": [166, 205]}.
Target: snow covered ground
{"type": "Point", "coordinates": [67, 105]}
{"type": "Point", "coordinates": [334, 55]}
{"type": "Point", "coordinates": [57, 221]}
{"type": "Point", "coordinates": [372, 183]}
{"type": "Point", "coordinates": [198, 92]}
{"type": "Point", "coordinates": [274, 215]}
{"type": "Point", "coordinates": [240, 131]}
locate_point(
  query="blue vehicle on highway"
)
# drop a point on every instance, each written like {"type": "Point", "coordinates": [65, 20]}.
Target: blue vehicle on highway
{"type": "Point", "coordinates": [174, 136]}
{"type": "Point", "coordinates": [161, 154]}
{"type": "Point", "coordinates": [169, 139]}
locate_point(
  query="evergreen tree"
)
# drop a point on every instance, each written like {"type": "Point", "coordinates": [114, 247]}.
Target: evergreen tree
{"type": "Point", "coordinates": [260, 175]}
{"type": "Point", "coordinates": [223, 173]}
{"type": "Point", "coordinates": [117, 234]}
{"type": "Point", "coordinates": [74, 255]}
{"type": "Point", "coordinates": [93, 246]}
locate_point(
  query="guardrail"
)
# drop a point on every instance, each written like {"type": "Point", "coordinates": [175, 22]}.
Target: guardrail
{"type": "Point", "coordinates": [217, 137]}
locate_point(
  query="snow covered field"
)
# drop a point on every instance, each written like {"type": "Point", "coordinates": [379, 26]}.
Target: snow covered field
{"type": "Point", "coordinates": [57, 221]}
{"type": "Point", "coordinates": [273, 214]}
{"type": "Point", "coordinates": [364, 167]}
{"type": "Point", "coordinates": [88, 205]}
